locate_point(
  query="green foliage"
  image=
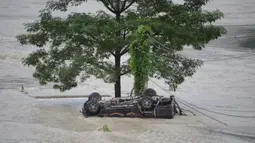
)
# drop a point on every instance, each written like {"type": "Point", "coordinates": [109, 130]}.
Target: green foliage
{"type": "Point", "coordinates": [106, 128]}
{"type": "Point", "coordinates": [140, 61]}
{"type": "Point", "coordinates": [83, 44]}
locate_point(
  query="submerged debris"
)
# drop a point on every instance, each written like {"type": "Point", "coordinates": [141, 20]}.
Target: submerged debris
{"type": "Point", "coordinates": [105, 128]}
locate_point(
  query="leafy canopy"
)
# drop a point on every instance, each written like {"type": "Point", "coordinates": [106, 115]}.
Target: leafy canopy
{"type": "Point", "coordinates": [83, 44]}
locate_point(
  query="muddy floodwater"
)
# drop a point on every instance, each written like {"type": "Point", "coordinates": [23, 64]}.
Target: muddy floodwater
{"type": "Point", "coordinates": [225, 83]}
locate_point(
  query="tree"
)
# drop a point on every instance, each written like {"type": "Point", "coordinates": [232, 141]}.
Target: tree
{"type": "Point", "coordinates": [83, 43]}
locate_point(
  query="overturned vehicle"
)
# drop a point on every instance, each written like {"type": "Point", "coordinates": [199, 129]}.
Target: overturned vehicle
{"type": "Point", "coordinates": [149, 105]}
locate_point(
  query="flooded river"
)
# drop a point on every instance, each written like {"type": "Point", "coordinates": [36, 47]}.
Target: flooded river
{"type": "Point", "coordinates": [225, 83]}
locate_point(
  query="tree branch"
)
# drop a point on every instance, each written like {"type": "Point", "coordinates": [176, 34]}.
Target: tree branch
{"type": "Point", "coordinates": [123, 5]}
{"type": "Point", "coordinates": [125, 50]}
{"type": "Point", "coordinates": [126, 72]}
{"type": "Point", "coordinates": [112, 53]}
{"type": "Point", "coordinates": [111, 4]}
{"type": "Point", "coordinates": [125, 8]}
{"type": "Point", "coordinates": [106, 5]}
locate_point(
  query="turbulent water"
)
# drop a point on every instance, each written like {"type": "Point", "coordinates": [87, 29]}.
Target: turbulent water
{"type": "Point", "coordinates": [224, 83]}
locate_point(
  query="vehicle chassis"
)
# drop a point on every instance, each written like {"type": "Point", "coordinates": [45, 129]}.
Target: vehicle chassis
{"type": "Point", "coordinates": [143, 106]}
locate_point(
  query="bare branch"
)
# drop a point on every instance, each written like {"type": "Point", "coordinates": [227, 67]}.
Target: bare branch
{"type": "Point", "coordinates": [123, 5]}
{"type": "Point", "coordinates": [126, 7]}
{"type": "Point", "coordinates": [112, 53]}
{"type": "Point", "coordinates": [125, 50]}
{"type": "Point", "coordinates": [111, 4]}
{"type": "Point", "coordinates": [106, 5]}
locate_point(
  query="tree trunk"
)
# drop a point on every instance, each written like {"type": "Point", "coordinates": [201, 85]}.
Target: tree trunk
{"type": "Point", "coordinates": [117, 85]}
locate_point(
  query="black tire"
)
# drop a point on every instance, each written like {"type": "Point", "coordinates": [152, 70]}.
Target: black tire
{"type": "Point", "coordinates": [150, 92]}
{"type": "Point", "coordinates": [92, 106]}
{"type": "Point", "coordinates": [95, 96]}
{"type": "Point", "coordinates": [84, 112]}
{"type": "Point", "coordinates": [146, 102]}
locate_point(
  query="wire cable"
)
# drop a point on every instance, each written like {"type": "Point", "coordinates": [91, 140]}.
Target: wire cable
{"type": "Point", "coordinates": [234, 57]}
{"type": "Point", "coordinates": [204, 113]}
{"type": "Point", "coordinates": [190, 104]}
{"type": "Point", "coordinates": [196, 105]}
{"type": "Point", "coordinates": [193, 107]}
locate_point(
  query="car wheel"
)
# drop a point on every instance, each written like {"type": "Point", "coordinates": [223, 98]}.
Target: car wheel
{"type": "Point", "coordinates": [95, 96]}
{"type": "Point", "coordinates": [146, 102]}
{"type": "Point", "coordinates": [149, 92]}
{"type": "Point", "coordinates": [92, 106]}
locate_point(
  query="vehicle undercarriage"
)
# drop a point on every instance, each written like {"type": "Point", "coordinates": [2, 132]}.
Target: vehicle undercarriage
{"type": "Point", "coordinates": [145, 106]}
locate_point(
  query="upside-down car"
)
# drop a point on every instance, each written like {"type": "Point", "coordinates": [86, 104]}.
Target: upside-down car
{"type": "Point", "coordinates": [148, 105]}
